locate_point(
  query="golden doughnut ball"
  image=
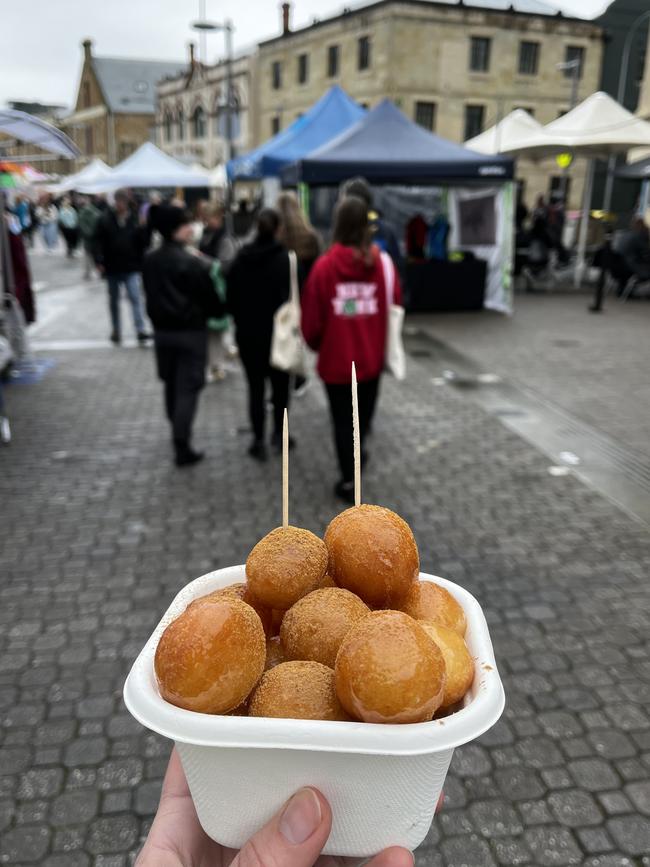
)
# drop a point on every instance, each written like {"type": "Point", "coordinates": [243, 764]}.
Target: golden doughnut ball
{"type": "Point", "coordinates": [373, 554]}
{"type": "Point", "coordinates": [428, 601]}
{"type": "Point", "coordinates": [458, 661]}
{"type": "Point", "coordinates": [316, 625]}
{"type": "Point", "coordinates": [210, 658]}
{"type": "Point", "coordinates": [284, 566]}
{"type": "Point", "coordinates": [242, 591]}
{"type": "Point", "coordinates": [297, 690]}
{"type": "Point", "coordinates": [388, 670]}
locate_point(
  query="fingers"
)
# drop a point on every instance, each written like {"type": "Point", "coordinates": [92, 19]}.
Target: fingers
{"type": "Point", "coordinates": [294, 837]}
{"type": "Point", "coordinates": [394, 857]}
{"type": "Point", "coordinates": [174, 785]}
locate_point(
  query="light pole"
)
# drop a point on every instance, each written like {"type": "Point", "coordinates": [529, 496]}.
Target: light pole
{"type": "Point", "coordinates": [620, 96]}
{"type": "Point", "coordinates": [574, 67]}
{"type": "Point", "coordinates": [227, 28]}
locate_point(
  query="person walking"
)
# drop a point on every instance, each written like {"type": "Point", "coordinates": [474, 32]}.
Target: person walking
{"type": "Point", "coordinates": [69, 225]}
{"type": "Point", "coordinates": [180, 298]}
{"type": "Point", "coordinates": [88, 218]}
{"type": "Point", "coordinates": [219, 247]}
{"type": "Point", "coordinates": [345, 320]}
{"type": "Point", "coordinates": [119, 245]}
{"type": "Point", "coordinates": [47, 215]}
{"type": "Point", "coordinates": [257, 284]}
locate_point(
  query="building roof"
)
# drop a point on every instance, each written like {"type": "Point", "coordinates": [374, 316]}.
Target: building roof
{"type": "Point", "coordinates": [129, 86]}
{"type": "Point", "coordinates": [523, 7]}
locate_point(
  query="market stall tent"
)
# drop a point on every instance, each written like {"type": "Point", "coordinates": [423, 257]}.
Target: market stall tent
{"type": "Point", "coordinates": [332, 114]}
{"type": "Point", "coordinates": [413, 169]}
{"type": "Point", "coordinates": [149, 167]}
{"type": "Point", "coordinates": [386, 147]}
{"type": "Point", "coordinates": [597, 128]}
{"type": "Point", "coordinates": [510, 129]}
{"type": "Point", "coordinates": [95, 171]}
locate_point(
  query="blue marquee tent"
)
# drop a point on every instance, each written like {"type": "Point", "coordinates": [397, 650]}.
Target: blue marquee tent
{"type": "Point", "coordinates": [386, 147]}
{"type": "Point", "coordinates": [332, 114]}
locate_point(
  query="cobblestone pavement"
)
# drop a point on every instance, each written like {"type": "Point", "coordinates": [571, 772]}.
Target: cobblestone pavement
{"type": "Point", "coordinates": [594, 366]}
{"type": "Point", "coordinates": [99, 531]}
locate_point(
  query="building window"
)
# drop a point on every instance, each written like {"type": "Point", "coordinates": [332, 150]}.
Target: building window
{"type": "Point", "coordinates": [528, 58]}
{"type": "Point", "coordinates": [572, 54]}
{"type": "Point", "coordinates": [425, 114]}
{"type": "Point", "coordinates": [89, 140]}
{"type": "Point", "coordinates": [126, 149]}
{"type": "Point", "coordinates": [86, 94]}
{"type": "Point", "coordinates": [167, 126]}
{"type": "Point", "coordinates": [275, 125]}
{"type": "Point", "coordinates": [479, 54]}
{"type": "Point", "coordinates": [559, 186]}
{"type": "Point", "coordinates": [303, 68]}
{"type": "Point", "coordinates": [276, 75]}
{"type": "Point", "coordinates": [181, 125]}
{"type": "Point", "coordinates": [198, 123]}
{"type": "Point", "coordinates": [365, 105]}
{"type": "Point", "coordinates": [474, 119]}
{"type": "Point", "coordinates": [363, 59]}
{"type": "Point", "coordinates": [333, 54]}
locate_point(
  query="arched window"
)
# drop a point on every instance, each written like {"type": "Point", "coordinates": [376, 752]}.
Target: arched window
{"type": "Point", "coordinates": [181, 124]}
{"type": "Point", "coordinates": [198, 123]}
{"type": "Point", "coordinates": [167, 126]}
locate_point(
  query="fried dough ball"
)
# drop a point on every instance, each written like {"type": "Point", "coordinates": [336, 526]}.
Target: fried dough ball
{"type": "Point", "coordinates": [429, 601]}
{"type": "Point", "coordinates": [297, 690]}
{"type": "Point", "coordinates": [316, 625]}
{"type": "Point", "coordinates": [210, 658]}
{"type": "Point", "coordinates": [285, 565]}
{"type": "Point", "coordinates": [388, 670]}
{"type": "Point", "coordinates": [242, 591]}
{"type": "Point", "coordinates": [274, 653]}
{"type": "Point", "coordinates": [458, 662]}
{"type": "Point", "coordinates": [373, 553]}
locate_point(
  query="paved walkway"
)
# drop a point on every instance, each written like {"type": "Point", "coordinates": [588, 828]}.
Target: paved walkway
{"type": "Point", "coordinates": [99, 531]}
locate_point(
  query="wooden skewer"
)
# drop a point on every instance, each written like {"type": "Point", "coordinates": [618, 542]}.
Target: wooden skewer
{"type": "Point", "coordinates": [285, 470]}
{"type": "Point", "coordinates": [356, 438]}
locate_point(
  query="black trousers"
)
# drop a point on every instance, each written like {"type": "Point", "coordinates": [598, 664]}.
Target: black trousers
{"type": "Point", "coordinates": [258, 371]}
{"type": "Point", "coordinates": [181, 357]}
{"type": "Point", "coordinates": [340, 398]}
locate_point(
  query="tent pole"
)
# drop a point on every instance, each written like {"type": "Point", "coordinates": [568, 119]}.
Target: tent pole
{"type": "Point", "coordinates": [8, 285]}
{"type": "Point", "coordinates": [584, 225]}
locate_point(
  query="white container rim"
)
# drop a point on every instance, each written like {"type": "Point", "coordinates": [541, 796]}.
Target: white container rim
{"type": "Point", "coordinates": [482, 709]}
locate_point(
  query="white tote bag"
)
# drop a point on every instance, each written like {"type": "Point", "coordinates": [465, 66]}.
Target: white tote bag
{"type": "Point", "coordinates": [287, 346]}
{"type": "Point", "coordinates": [395, 359]}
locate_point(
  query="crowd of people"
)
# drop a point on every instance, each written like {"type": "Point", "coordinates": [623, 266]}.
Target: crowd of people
{"type": "Point", "coordinates": [212, 295]}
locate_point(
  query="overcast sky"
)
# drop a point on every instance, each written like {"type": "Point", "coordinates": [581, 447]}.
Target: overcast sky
{"type": "Point", "coordinates": [40, 41]}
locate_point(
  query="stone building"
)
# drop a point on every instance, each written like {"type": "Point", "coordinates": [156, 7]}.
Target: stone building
{"type": "Point", "coordinates": [191, 118]}
{"type": "Point", "coordinates": [455, 67]}
{"type": "Point", "coordinates": [115, 108]}
{"type": "Point", "coordinates": [24, 152]}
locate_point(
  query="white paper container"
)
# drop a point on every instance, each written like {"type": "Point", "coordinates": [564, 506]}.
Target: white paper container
{"type": "Point", "coordinates": [382, 781]}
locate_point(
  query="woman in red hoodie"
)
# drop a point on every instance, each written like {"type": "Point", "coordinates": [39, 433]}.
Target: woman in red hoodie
{"type": "Point", "coordinates": [345, 319]}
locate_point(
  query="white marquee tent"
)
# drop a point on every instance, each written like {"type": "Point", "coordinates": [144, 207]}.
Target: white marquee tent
{"type": "Point", "coordinates": [149, 167]}
{"type": "Point", "coordinates": [95, 171]}
{"type": "Point", "coordinates": [597, 128]}
{"type": "Point", "coordinates": [508, 130]}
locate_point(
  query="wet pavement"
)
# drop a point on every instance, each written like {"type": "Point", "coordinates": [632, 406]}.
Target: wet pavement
{"type": "Point", "coordinates": [99, 531]}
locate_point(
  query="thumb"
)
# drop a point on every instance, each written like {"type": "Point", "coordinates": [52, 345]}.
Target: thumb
{"type": "Point", "coordinates": [294, 837]}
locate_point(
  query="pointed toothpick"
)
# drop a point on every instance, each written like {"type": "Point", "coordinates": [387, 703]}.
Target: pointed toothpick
{"type": "Point", "coordinates": [285, 470]}
{"type": "Point", "coordinates": [356, 438]}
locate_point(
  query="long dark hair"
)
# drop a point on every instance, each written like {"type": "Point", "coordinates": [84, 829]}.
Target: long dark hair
{"type": "Point", "coordinates": [351, 223]}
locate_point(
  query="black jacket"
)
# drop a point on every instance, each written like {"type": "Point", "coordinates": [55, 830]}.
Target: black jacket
{"type": "Point", "coordinates": [179, 290]}
{"type": "Point", "coordinates": [258, 283]}
{"type": "Point", "coordinates": [120, 248]}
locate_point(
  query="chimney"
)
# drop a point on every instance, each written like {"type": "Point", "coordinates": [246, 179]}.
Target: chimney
{"type": "Point", "coordinates": [286, 18]}
{"type": "Point", "coordinates": [88, 48]}
{"type": "Point", "coordinates": [192, 48]}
